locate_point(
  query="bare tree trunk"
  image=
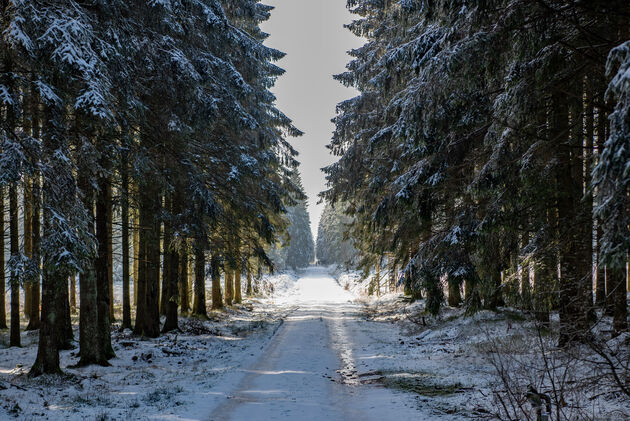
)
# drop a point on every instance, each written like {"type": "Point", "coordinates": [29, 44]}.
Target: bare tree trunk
{"type": "Point", "coordinates": [54, 280]}
{"type": "Point", "coordinates": [148, 316]}
{"type": "Point", "coordinates": [15, 253]}
{"type": "Point", "coordinates": [28, 238]}
{"type": "Point", "coordinates": [34, 320]}
{"type": "Point", "coordinates": [378, 277]}
{"type": "Point", "coordinates": [454, 293]}
{"type": "Point", "coordinates": [124, 215]}
{"type": "Point", "coordinates": [600, 288]}
{"type": "Point", "coordinates": [572, 311]}
{"type": "Point", "coordinates": [73, 293]}
{"type": "Point", "coordinates": [589, 221]}
{"type": "Point", "coordinates": [165, 293]}
{"type": "Point", "coordinates": [191, 273]}
{"type": "Point", "coordinates": [3, 312]}
{"type": "Point", "coordinates": [102, 262]}
{"type": "Point", "coordinates": [141, 278]}
{"type": "Point", "coordinates": [90, 349]}
{"type": "Point", "coordinates": [171, 322]}
{"type": "Point", "coordinates": [199, 304]}
{"type": "Point", "coordinates": [47, 361]}
{"type": "Point", "coordinates": [392, 277]}
{"type": "Point", "coordinates": [184, 303]}
{"type": "Point", "coordinates": [152, 323]}
{"type": "Point", "coordinates": [170, 290]}
{"type": "Point", "coordinates": [249, 290]}
{"type": "Point", "coordinates": [110, 250]}
{"type": "Point", "coordinates": [215, 266]}
{"type": "Point", "coordinates": [136, 255]}
{"type": "Point", "coordinates": [238, 294]}
{"type": "Point", "coordinates": [526, 293]}
{"type": "Point", "coordinates": [65, 333]}
{"type": "Point", "coordinates": [54, 277]}
{"type": "Point", "coordinates": [229, 285]}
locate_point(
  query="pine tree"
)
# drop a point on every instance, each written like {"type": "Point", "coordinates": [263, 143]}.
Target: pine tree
{"type": "Point", "coordinates": [494, 156]}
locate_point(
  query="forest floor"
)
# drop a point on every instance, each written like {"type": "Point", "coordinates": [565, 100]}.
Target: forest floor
{"type": "Point", "coordinates": [315, 348]}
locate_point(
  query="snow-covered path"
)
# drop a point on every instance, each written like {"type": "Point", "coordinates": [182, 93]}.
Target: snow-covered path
{"type": "Point", "coordinates": [308, 370]}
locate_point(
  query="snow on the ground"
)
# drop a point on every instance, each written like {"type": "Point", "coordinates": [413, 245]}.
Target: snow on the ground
{"type": "Point", "coordinates": [450, 362]}
{"type": "Point", "coordinates": [308, 372]}
{"type": "Point", "coordinates": [180, 375]}
{"type": "Point", "coordinates": [309, 347]}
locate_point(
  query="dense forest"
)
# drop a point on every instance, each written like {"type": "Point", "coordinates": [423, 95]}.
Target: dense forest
{"type": "Point", "coordinates": [149, 120]}
{"type": "Point", "coordinates": [333, 247]}
{"type": "Point", "coordinates": [156, 254]}
{"type": "Point", "coordinates": [296, 248]}
{"type": "Point", "coordinates": [488, 152]}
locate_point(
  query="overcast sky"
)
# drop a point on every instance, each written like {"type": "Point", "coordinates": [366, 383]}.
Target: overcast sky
{"type": "Point", "coordinates": [311, 32]}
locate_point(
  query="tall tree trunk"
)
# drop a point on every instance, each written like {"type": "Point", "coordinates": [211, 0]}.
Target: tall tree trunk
{"type": "Point", "coordinates": [152, 324]}
{"type": "Point", "coordinates": [47, 361]}
{"type": "Point", "coordinates": [91, 351]}
{"type": "Point", "coordinates": [229, 285]}
{"type": "Point", "coordinates": [136, 255]}
{"type": "Point", "coordinates": [191, 273]}
{"type": "Point", "coordinates": [199, 303]}
{"type": "Point", "coordinates": [617, 296]}
{"type": "Point", "coordinates": [102, 262]}
{"type": "Point", "coordinates": [28, 238]}
{"type": "Point", "coordinates": [573, 320]}
{"type": "Point", "coordinates": [110, 251]}
{"type": "Point", "coordinates": [3, 304]}
{"type": "Point", "coordinates": [54, 280]}
{"type": "Point", "coordinates": [494, 299]}
{"type": "Point", "coordinates": [589, 130]}
{"type": "Point", "coordinates": [392, 277]}
{"type": "Point", "coordinates": [148, 316]}
{"type": "Point", "coordinates": [600, 288]}
{"type": "Point", "coordinates": [54, 277]}
{"type": "Point", "coordinates": [140, 282]}
{"type": "Point", "coordinates": [526, 299]}
{"type": "Point", "coordinates": [165, 293]}
{"type": "Point", "coordinates": [581, 179]}
{"type": "Point", "coordinates": [15, 253]}
{"type": "Point", "coordinates": [238, 294]}
{"type": "Point", "coordinates": [543, 278]}
{"type": "Point", "coordinates": [73, 293]}
{"type": "Point", "coordinates": [124, 215]}
{"type": "Point", "coordinates": [609, 304]}
{"type": "Point", "coordinates": [454, 293]}
{"type": "Point", "coordinates": [65, 334]}
{"type": "Point", "coordinates": [170, 290]}
{"type": "Point", "coordinates": [34, 320]}
{"type": "Point", "coordinates": [217, 299]}
{"type": "Point", "coordinates": [249, 290]}
{"type": "Point", "coordinates": [184, 303]}
{"type": "Point", "coordinates": [377, 279]}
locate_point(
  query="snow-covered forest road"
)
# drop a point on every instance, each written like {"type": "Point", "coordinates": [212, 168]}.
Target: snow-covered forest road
{"type": "Point", "coordinates": [308, 347]}
{"type": "Point", "coordinates": [308, 371]}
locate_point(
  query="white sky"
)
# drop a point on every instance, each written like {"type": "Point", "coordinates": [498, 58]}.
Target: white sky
{"type": "Point", "coordinates": [311, 32]}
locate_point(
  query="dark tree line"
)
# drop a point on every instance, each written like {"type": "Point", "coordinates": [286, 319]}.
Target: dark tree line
{"type": "Point", "coordinates": [333, 248]}
{"type": "Point", "coordinates": [488, 151]}
{"type": "Point", "coordinates": [296, 248]}
{"type": "Point", "coordinates": [156, 117]}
